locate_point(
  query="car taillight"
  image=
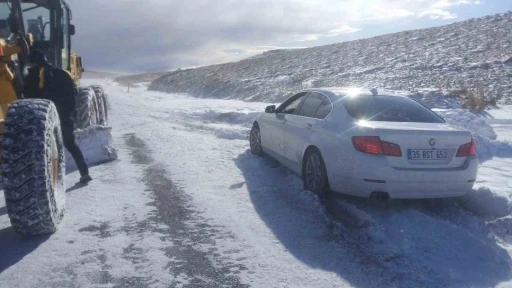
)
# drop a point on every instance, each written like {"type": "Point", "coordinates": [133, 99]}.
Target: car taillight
{"type": "Point", "coordinates": [468, 149]}
{"type": "Point", "coordinates": [373, 145]}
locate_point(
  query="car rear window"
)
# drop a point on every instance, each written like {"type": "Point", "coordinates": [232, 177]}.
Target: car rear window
{"type": "Point", "coordinates": [389, 108]}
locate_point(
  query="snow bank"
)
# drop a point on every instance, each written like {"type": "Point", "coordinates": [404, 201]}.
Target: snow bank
{"type": "Point", "coordinates": [487, 146]}
{"type": "Point", "coordinates": [96, 145]}
{"type": "Point", "coordinates": [486, 204]}
{"type": "Point", "coordinates": [231, 117]}
{"type": "Point", "coordinates": [502, 228]}
{"type": "Point", "coordinates": [283, 79]}
{"type": "Point", "coordinates": [468, 120]}
{"type": "Point", "coordinates": [229, 134]}
{"type": "Point", "coordinates": [486, 149]}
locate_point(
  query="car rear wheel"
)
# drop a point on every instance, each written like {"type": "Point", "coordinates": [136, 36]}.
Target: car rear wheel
{"type": "Point", "coordinates": [314, 174]}
{"type": "Point", "coordinates": [255, 141]}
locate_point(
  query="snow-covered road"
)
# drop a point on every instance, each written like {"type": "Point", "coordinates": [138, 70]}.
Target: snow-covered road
{"type": "Point", "coordinates": [186, 205]}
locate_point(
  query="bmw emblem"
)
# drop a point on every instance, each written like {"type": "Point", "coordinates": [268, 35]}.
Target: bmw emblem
{"type": "Point", "coordinates": [432, 142]}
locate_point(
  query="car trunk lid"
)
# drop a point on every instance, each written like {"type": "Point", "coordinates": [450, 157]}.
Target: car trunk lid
{"type": "Point", "coordinates": [423, 145]}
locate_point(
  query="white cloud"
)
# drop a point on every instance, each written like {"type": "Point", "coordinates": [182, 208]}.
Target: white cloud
{"type": "Point", "coordinates": [136, 35]}
{"type": "Point", "coordinates": [344, 29]}
{"type": "Point", "coordinates": [448, 3]}
{"type": "Point", "coordinates": [379, 12]}
{"type": "Point", "coordinates": [437, 14]}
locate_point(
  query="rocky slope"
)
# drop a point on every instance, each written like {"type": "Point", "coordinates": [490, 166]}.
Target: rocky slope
{"type": "Point", "coordinates": [474, 54]}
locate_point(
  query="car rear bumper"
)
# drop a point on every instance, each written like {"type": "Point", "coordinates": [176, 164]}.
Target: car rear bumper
{"type": "Point", "coordinates": [366, 179]}
{"type": "Point", "coordinates": [417, 189]}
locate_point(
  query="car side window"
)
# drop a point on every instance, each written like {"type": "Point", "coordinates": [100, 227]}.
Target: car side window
{"type": "Point", "coordinates": [291, 105]}
{"type": "Point", "coordinates": [324, 109]}
{"type": "Point", "coordinates": [311, 104]}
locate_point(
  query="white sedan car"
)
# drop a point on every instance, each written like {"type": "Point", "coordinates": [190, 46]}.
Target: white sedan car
{"type": "Point", "coordinates": [365, 143]}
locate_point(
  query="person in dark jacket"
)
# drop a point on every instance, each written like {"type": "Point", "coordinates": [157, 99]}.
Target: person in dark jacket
{"type": "Point", "coordinates": [47, 82]}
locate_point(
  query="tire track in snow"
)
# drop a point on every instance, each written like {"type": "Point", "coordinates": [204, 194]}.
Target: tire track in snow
{"type": "Point", "coordinates": [430, 243]}
{"type": "Point", "coordinates": [453, 245]}
{"type": "Point", "coordinates": [183, 228]}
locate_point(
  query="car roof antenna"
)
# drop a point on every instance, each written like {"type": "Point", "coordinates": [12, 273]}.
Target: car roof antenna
{"type": "Point", "coordinates": [374, 91]}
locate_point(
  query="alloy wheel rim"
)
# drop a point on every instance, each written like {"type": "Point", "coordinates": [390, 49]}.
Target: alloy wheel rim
{"type": "Point", "coordinates": [313, 172]}
{"type": "Point", "coordinates": [255, 140]}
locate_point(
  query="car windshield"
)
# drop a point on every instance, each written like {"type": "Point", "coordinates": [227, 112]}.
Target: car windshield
{"type": "Point", "coordinates": [36, 21]}
{"type": "Point", "coordinates": [389, 108]}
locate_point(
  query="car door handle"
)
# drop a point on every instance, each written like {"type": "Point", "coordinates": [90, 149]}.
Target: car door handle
{"type": "Point", "coordinates": [309, 126]}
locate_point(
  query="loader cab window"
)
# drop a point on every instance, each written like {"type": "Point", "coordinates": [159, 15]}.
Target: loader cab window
{"type": "Point", "coordinates": [66, 38]}
{"type": "Point", "coordinates": [40, 22]}
{"type": "Point", "coordinates": [5, 30]}
{"type": "Point", "coordinates": [37, 21]}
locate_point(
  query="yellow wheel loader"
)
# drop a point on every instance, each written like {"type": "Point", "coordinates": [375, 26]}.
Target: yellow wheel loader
{"type": "Point", "coordinates": [33, 168]}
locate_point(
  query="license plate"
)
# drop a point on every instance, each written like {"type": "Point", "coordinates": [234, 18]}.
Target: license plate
{"type": "Point", "coordinates": [423, 154]}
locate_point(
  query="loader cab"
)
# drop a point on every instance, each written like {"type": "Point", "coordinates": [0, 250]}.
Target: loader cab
{"type": "Point", "coordinates": [49, 24]}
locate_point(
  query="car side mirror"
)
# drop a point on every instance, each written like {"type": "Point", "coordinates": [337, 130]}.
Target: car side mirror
{"type": "Point", "coordinates": [72, 30]}
{"type": "Point", "coordinates": [270, 109]}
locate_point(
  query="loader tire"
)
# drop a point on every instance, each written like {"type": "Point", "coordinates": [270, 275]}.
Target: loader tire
{"type": "Point", "coordinates": [102, 91]}
{"type": "Point", "coordinates": [102, 105]}
{"type": "Point", "coordinates": [86, 108]}
{"type": "Point", "coordinates": [33, 167]}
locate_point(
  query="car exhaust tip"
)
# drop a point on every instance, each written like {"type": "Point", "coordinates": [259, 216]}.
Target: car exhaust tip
{"type": "Point", "coordinates": [380, 195]}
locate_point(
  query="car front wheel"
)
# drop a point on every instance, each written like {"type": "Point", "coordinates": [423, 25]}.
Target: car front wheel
{"type": "Point", "coordinates": [255, 141]}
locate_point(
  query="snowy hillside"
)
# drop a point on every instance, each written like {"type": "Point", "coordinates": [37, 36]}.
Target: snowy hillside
{"type": "Point", "coordinates": [475, 54]}
{"type": "Point", "coordinates": [89, 74]}
{"type": "Point", "coordinates": [138, 78]}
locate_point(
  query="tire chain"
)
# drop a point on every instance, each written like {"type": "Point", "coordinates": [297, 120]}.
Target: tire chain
{"type": "Point", "coordinates": [30, 127]}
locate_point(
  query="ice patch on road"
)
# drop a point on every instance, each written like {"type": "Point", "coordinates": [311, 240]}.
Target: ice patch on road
{"type": "Point", "coordinates": [96, 145]}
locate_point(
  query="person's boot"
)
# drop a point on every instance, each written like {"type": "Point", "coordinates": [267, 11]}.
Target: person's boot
{"type": "Point", "coordinates": [85, 179]}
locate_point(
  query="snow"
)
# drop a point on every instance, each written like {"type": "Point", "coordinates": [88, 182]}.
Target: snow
{"type": "Point", "coordinates": [260, 214]}
{"type": "Point", "coordinates": [494, 173]}
{"type": "Point", "coordinates": [468, 120]}
{"type": "Point", "coordinates": [486, 204]}
{"type": "Point", "coordinates": [388, 237]}
{"type": "Point", "coordinates": [96, 145]}
{"type": "Point", "coordinates": [481, 128]}
{"type": "Point", "coordinates": [71, 256]}
{"type": "Point", "coordinates": [283, 79]}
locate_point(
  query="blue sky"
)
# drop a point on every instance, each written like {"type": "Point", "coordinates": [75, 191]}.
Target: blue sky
{"type": "Point", "coordinates": [138, 36]}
